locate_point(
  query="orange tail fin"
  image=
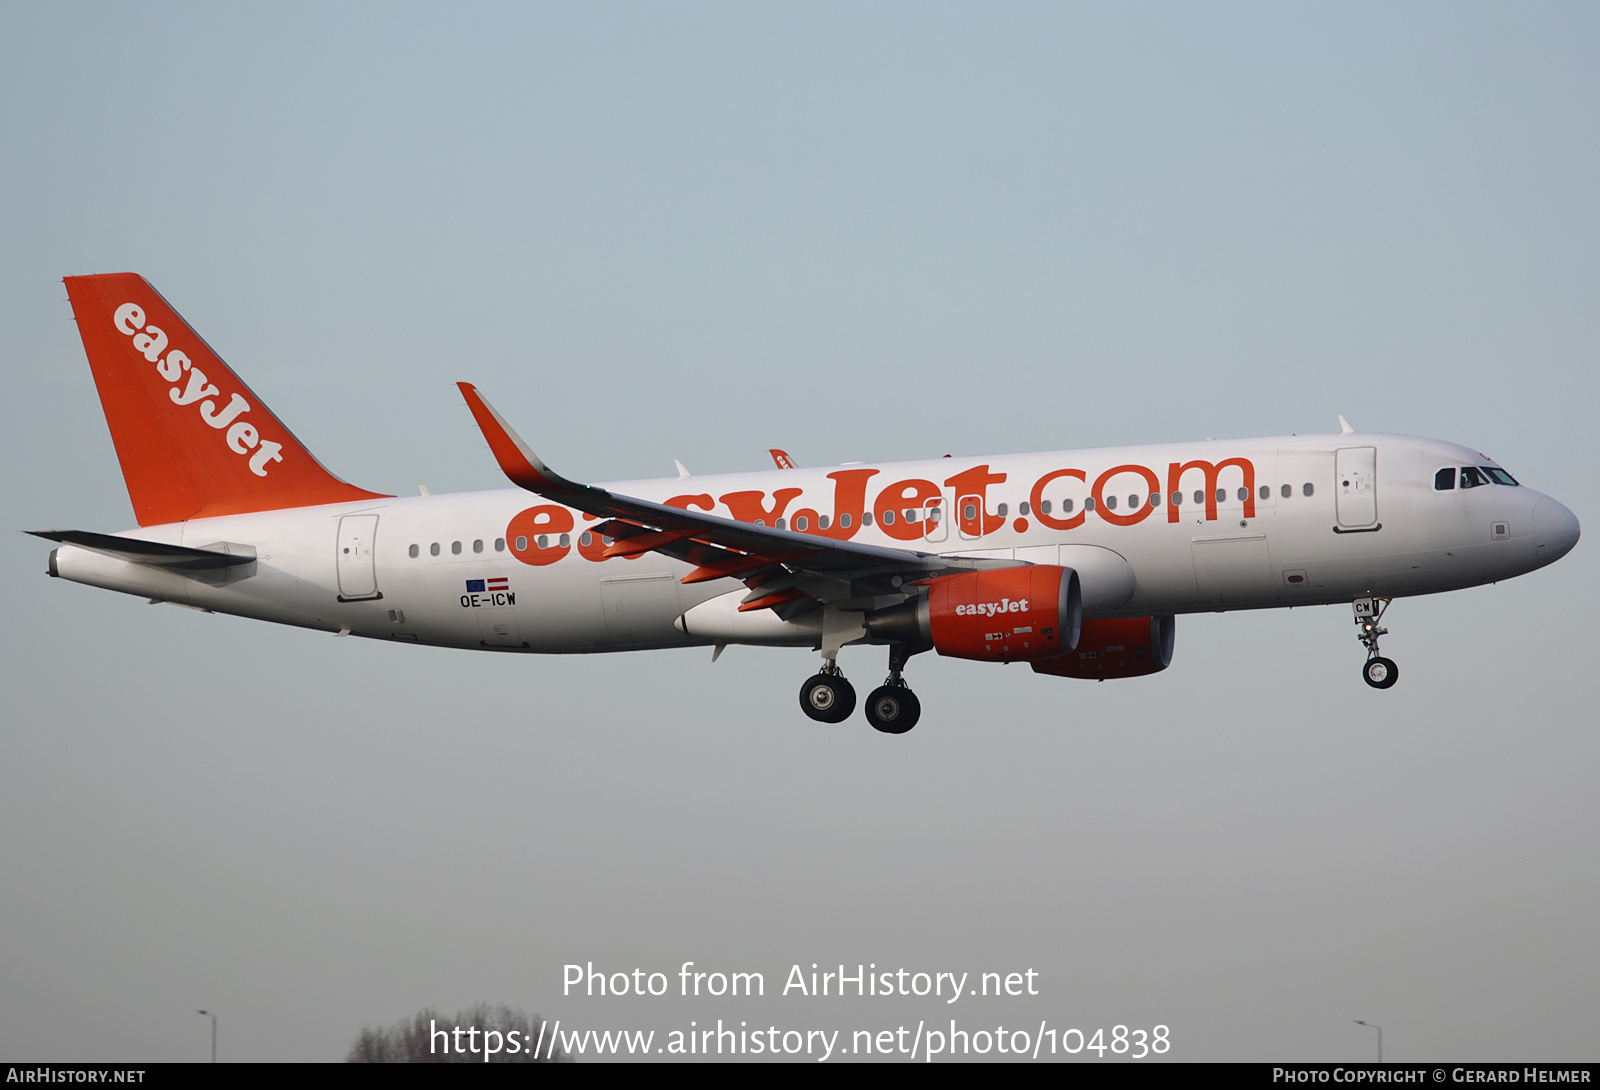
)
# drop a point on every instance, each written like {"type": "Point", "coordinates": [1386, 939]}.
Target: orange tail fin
{"type": "Point", "coordinates": [193, 440]}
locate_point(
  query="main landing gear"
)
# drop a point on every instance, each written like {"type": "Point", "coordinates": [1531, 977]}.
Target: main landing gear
{"type": "Point", "coordinates": [892, 708]}
{"type": "Point", "coordinates": [828, 697]}
{"type": "Point", "coordinates": [1378, 672]}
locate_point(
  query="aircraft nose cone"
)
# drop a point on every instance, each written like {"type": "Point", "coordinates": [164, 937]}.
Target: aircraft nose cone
{"type": "Point", "coordinates": [1555, 530]}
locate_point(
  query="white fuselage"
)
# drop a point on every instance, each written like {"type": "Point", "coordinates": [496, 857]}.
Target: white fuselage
{"type": "Point", "coordinates": [1326, 518]}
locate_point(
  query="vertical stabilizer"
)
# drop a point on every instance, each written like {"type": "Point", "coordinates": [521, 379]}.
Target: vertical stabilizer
{"type": "Point", "coordinates": [193, 440]}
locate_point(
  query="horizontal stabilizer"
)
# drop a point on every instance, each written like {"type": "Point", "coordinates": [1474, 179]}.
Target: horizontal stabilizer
{"type": "Point", "coordinates": [154, 553]}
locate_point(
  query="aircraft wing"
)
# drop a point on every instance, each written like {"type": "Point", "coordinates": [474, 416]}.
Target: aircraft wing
{"type": "Point", "coordinates": [785, 570]}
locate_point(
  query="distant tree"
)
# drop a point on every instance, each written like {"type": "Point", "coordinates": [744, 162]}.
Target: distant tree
{"type": "Point", "coordinates": [509, 1036]}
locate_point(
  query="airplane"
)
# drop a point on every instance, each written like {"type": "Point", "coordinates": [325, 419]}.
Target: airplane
{"type": "Point", "coordinates": [1075, 562]}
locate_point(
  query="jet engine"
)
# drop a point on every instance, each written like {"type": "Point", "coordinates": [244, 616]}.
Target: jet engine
{"type": "Point", "coordinates": [1116, 647]}
{"type": "Point", "coordinates": [1018, 614]}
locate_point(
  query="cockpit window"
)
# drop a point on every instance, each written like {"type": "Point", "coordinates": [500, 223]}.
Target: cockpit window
{"type": "Point", "coordinates": [1444, 480]}
{"type": "Point", "coordinates": [1499, 476]}
{"type": "Point", "coordinates": [1471, 477]}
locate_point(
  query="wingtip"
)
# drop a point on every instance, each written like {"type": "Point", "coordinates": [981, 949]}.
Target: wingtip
{"type": "Point", "coordinates": [520, 464]}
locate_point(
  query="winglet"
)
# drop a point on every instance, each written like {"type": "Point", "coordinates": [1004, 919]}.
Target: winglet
{"type": "Point", "coordinates": [521, 465]}
{"type": "Point", "coordinates": [781, 458]}
{"type": "Point", "coordinates": [1344, 427]}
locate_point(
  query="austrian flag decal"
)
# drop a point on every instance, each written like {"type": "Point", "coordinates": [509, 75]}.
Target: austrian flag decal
{"type": "Point", "coordinates": [482, 593]}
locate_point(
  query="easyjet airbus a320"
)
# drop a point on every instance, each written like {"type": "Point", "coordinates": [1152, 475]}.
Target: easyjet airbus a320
{"type": "Point", "coordinates": [1075, 562]}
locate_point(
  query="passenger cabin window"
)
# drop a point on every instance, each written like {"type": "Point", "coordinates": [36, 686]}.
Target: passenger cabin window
{"type": "Point", "coordinates": [1199, 497]}
{"type": "Point", "coordinates": [414, 551]}
{"type": "Point", "coordinates": [1266, 491]}
{"type": "Point", "coordinates": [433, 550]}
{"type": "Point", "coordinates": [1307, 488]}
{"type": "Point", "coordinates": [1022, 508]}
{"type": "Point", "coordinates": [1066, 507]}
{"type": "Point", "coordinates": [1445, 480]}
{"type": "Point", "coordinates": [499, 544]}
{"type": "Point", "coordinates": [1472, 477]}
{"type": "Point", "coordinates": [1001, 510]}
{"type": "Point", "coordinates": [1111, 503]}
{"type": "Point", "coordinates": [1088, 504]}
{"type": "Point", "coordinates": [1286, 491]}
{"type": "Point", "coordinates": [477, 546]}
{"type": "Point", "coordinates": [1177, 499]}
{"type": "Point", "coordinates": [1244, 494]}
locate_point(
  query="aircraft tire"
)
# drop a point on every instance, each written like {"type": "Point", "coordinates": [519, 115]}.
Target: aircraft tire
{"type": "Point", "coordinates": [893, 709]}
{"type": "Point", "coordinates": [828, 698]}
{"type": "Point", "coordinates": [1380, 673]}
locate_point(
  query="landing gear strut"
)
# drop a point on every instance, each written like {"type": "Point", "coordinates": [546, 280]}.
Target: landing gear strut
{"type": "Point", "coordinates": [1378, 672]}
{"type": "Point", "coordinates": [893, 708]}
{"type": "Point", "coordinates": [827, 697]}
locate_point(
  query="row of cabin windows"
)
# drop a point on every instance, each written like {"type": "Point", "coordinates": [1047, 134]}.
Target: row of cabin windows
{"type": "Point", "coordinates": [1471, 477]}
{"type": "Point", "coordinates": [1136, 501]}
{"type": "Point", "coordinates": [970, 512]}
{"type": "Point", "coordinates": [802, 523]}
{"type": "Point", "coordinates": [543, 542]}
{"type": "Point", "coordinates": [455, 547]}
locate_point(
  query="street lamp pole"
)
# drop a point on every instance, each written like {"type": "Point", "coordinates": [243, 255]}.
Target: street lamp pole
{"type": "Point", "coordinates": [213, 1018]}
{"type": "Point", "coordinates": [1370, 1025]}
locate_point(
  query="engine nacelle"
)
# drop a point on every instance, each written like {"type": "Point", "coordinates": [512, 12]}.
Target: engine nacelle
{"type": "Point", "coordinates": [1005, 614]}
{"type": "Point", "coordinates": [1116, 647]}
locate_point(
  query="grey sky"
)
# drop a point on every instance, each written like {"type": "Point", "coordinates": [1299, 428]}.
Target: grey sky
{"type": "Point", "coordinates": [856, 232]}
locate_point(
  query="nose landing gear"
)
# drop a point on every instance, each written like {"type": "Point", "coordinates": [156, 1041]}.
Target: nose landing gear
{"type": "Point", "coordinates": [1378, 671]}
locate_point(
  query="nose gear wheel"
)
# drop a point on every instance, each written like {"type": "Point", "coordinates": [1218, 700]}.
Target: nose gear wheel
{"type": "Point", "coordinates": [1378, 671]}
